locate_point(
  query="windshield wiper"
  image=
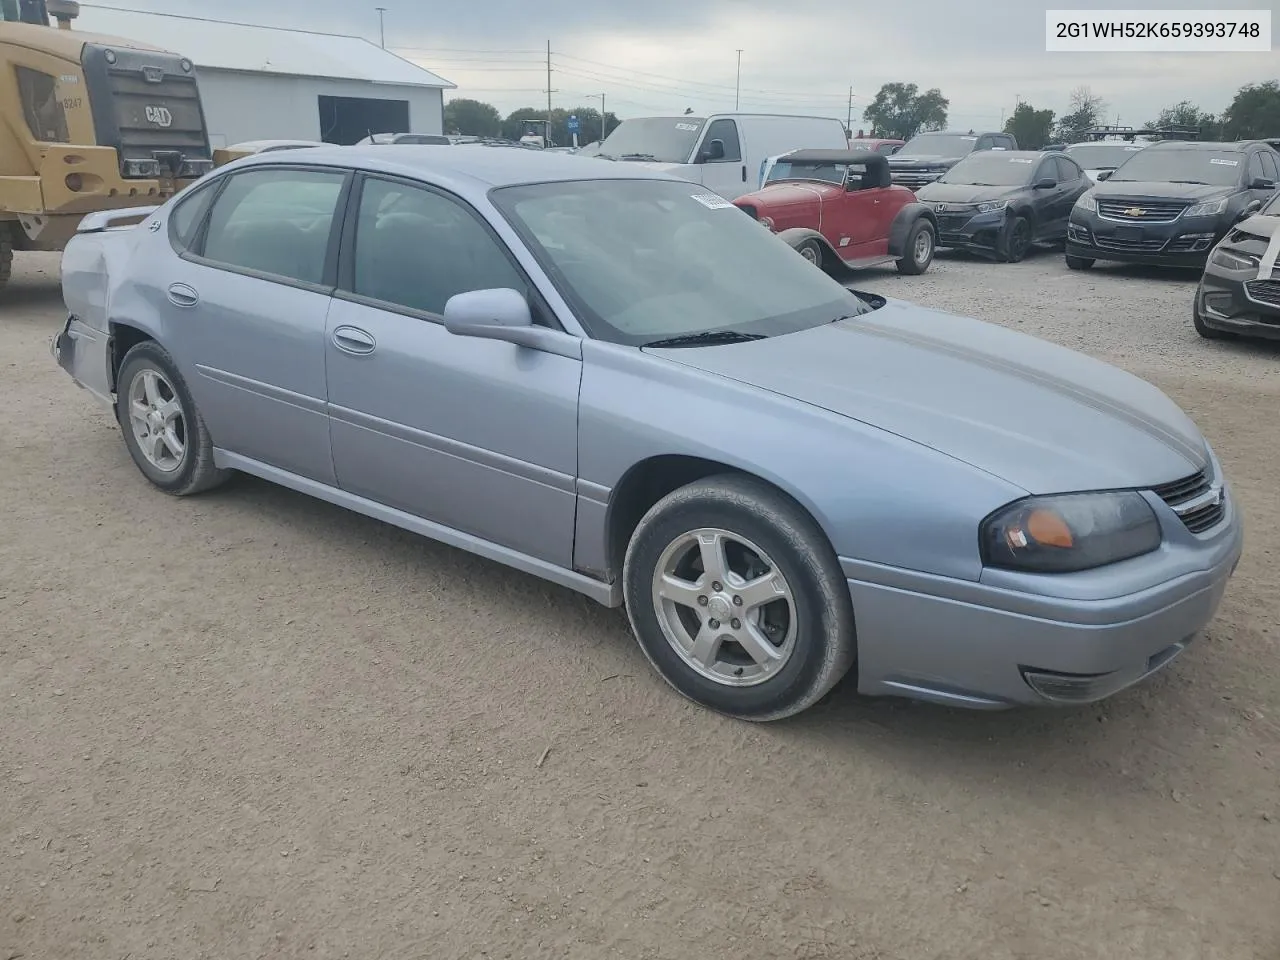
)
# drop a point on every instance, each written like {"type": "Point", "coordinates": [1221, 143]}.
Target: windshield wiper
{"type": "Point", "coordinates": [707, 338]}
{"type": "Point", "coordinates": [606, 156]}
{"type": "Point", "coordinates": [1199, 183]}
{"type": "Point", "coordinates": [637, 156]}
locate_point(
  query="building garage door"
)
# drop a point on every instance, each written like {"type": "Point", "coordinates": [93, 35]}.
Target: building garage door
{"type": "Point", "coordinates": [347, 120]}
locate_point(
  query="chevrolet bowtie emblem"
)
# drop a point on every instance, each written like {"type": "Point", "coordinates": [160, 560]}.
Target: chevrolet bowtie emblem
{"type": "Point", "coordinates": [1134, 212]}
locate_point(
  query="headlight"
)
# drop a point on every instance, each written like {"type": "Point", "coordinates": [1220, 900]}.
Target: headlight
{"type": "Point", "coordinates": [990, 205]}
{"type": "Point", "coordinates": [1210, 208]}
{"type": "Point", "coordinates": [1234, 261]}
{"type": "Point", "coordinates": [1087, 202]}
{"type": "Point", "coordinates": [1070, 532]}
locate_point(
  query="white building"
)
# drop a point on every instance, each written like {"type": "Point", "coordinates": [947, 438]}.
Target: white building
{"type": "Point", "coordinates": [267, 83]}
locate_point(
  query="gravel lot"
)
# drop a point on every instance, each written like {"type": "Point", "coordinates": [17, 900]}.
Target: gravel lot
{"type": "Point", "coordinates": [252, 725]}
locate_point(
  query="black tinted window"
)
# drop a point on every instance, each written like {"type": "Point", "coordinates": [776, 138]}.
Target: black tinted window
{"type": "Point", "coordinates": [1067, 171]}
{"type": "Point", "coordinates": [40, 106]}
{"type": "Point", "coordinates": [1182, 165]}
{"type": "Point", "coordinates": [416, 249]}
{"type": "Point", "coordinates": [727, 131]}
{"type": "Point", "coordinates": [276, 222]}
{"type": "Point", "coordinates": [188, 214]}
{"type": "Point", "coordinates": [1270, 165]}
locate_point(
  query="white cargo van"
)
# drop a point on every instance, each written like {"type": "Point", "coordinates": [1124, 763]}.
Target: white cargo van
{"type": "Point", "coordinates": [724, 152]}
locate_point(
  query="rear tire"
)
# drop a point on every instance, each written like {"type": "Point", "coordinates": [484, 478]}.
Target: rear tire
{"type": "Point", "coordinates": [921, 243]}
{"type": "Point", "coordinates": [6, 254]}
{"type": "Point", "coordinates": [1078, 263]}
{"type": "Point", "coordinates": [162, 428]}
{"type": "Point", "coordinates": [737, 599]}
{"type": "Point", "coordinates": [811, 250]}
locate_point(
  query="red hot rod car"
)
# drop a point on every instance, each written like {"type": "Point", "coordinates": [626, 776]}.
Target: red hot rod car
{"type": "Point", "coordinates": [841, 207]}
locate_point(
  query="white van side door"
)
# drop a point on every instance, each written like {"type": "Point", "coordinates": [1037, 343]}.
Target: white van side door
{"type": "Point", "coordinates": [721, 156]}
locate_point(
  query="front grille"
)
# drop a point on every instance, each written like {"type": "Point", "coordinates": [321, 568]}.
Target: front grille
{"type": "Point", "coordinates": [1134, 246]}
{"type": "Point", "coordinates": [915, 178]}
{"type": "Point", "coordinates": [1264, 291]}
{"type": "Point", "coordinates": [1187, 497]}
{"type": "Point", "coordinates": [1138, 212]}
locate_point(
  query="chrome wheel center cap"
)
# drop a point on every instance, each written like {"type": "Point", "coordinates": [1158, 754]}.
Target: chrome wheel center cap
{"type": "Point", "coordinates": [720, 608]}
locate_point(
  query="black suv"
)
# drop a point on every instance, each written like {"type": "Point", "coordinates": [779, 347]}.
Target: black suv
{"type": "Point", "coordinates": [1169, 204]}
{"type": "Point", "coordinates": [927, 156]}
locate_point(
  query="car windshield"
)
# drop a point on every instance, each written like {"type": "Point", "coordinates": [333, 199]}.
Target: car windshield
{"type": "Point", "coordinates": [938, 145]}
{"type": "Point", "coordinates": [824, 172]}
{"type": "Point", "coordinates": [991, 168]}
{"type": "Point", "coordinates": [1102, 156]}
{"type": "Point", "coordinates": [662, 139]}
{"type": "Point", "coordinates": [648, 260]}
{"type": "Point", "coordinates": [1220, 168]}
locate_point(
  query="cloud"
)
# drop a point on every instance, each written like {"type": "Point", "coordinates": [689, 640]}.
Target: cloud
{"type": "Point", "coordinates": [666, 55]}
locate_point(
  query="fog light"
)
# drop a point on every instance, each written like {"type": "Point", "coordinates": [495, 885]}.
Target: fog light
{"type": "Point", "coordinates": [109, 56]}
{"type": "Point", "coordinates": [1074, 687]}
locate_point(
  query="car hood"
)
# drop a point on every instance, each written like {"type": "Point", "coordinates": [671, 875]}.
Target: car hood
{"type": "Point", "coordinates": [785, 194]}
{"type": "Point", "coordinates": [963, 193]}
{"type": "Point", "coordinates": [1158, 190]}
{"type": "Point", "coordinates": [1040, 416]}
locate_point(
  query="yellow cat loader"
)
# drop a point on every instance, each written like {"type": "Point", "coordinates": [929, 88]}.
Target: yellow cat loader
{"type": "Point", "coordinates": [87, 123]}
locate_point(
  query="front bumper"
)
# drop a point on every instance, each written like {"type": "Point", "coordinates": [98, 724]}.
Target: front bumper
{"type": "Point", "coordinates": [1235, 301]}
{"type": "Point", "coordinates": [978, 646]}
{"type": "Point", "coordinates": [978, 232]}
{"type": "Point", "coordinates": [1181, 243]}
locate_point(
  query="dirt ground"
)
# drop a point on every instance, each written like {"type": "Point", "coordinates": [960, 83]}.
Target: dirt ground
{"type": "Point", "coordinates": [251, 725]}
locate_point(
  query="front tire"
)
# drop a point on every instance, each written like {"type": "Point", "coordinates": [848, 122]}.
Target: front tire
{"type": "Point", "coordinates": [920, 246]}
{"type": "Point", "coordinates": [737, 599]}
{"type": "Point", "coordinates": [811, 250]}
{"type": "Point", "coordinates": [1017, 239]}
{"type": "Point", "coordinates": [162, 428]}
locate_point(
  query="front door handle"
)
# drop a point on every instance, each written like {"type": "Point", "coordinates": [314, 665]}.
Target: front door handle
{"type": "Point", "coordinates": [353, 340]}
{"type": "Point", "coordinates": [744, 173]}
{"type": "Point", "coordinates": [181, 295]}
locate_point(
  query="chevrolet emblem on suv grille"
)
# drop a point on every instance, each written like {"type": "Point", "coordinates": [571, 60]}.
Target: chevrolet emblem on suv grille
{"type": "Point", "coordinates": [1134, 212]}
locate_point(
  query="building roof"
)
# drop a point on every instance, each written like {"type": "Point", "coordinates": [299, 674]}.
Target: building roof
{"type": "Point", "coordinates": [218, 45]}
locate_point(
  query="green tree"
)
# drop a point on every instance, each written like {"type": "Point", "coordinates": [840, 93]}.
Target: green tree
{"type": "Point", "coordinates": [588, 124]}
{"type": "Point", "coordinates": [1254, 113]}
{"type": "Point", "coordinates": [900, 111]}
{"type": "Point", "coordinates": [1187, 115]}
{"type": "Point", "coordinates": [1029, 126]}
{"type": "Point", "coordinates": [472, 118]}
{"type": "Point", "coordinates": [1086, 112]}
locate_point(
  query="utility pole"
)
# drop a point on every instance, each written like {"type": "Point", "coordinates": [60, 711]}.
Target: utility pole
{"type": "Point", "coordinates": [737, 93]}
{"type": "Point", "coordinates": [382, 26]}
{"type": "Point", "coordinates": [600, 96]}
{"type": "Point", "coordinates": [546, 127]}
{"type": "Point", "coordinates": [848, 120]}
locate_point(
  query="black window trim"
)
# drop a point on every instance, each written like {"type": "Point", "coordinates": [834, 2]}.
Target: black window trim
{"type": "Point", "coordinates": [195, 254]}
{"type": "Point", "coordinates": [344, 267]}
{"type": "Point", "coordinates": [707, 138]}
{"type": "Point", "coordinates": [1046, 168]}
{"type": "Point", "coordinates": [207, 193]}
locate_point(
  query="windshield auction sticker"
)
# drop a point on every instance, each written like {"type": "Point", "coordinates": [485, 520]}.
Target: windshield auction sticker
{"type": "Point", "coordinates": [1157, 31]}
{"type": "Point", "coordinates": [712, 201]}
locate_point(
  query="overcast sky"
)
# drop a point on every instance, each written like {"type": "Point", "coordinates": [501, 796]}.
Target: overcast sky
{"type": "Point", "coordinates": [658, 56]}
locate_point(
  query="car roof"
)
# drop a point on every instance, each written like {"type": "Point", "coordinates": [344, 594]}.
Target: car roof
{"type": "Point", "coordinates": [1013, 154]}
{"type": "Point", "coordinates": [473, 167]}
{"type": "Point", "coordinates": [1209, 146]}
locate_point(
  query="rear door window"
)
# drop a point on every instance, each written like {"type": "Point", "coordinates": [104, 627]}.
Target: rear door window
{"type": "Point", "coordinates": [1270, 165]}
{"type": "Point", "coordinates": [277, 222]}
{"type": "Point", "coordinates": [1068, 172]}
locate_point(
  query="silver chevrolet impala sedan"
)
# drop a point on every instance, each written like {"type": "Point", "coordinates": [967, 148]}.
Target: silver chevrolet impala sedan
{"type": "Point", "coordinates": [617, 381]}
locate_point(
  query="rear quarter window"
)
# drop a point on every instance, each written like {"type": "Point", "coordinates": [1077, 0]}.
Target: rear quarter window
{"type": "Point", "coordinates": [188, 215]}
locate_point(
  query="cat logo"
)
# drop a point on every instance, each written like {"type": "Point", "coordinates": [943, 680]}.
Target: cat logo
{"type": "Point", "coordinates": [1134, 212]}
{"type": "Point", "coordinates": [160, 116]}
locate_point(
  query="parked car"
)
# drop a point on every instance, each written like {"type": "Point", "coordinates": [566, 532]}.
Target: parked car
{"type": "Point", "coordinates": [840, 208]}
{"type": "Point", "coordinates": [1000, 203]}
{"type": "Point", "coordinates": [613, 379]}
{"type": "Point", "coordinates": [1239, 292]}
{"type": "Point", "coordinates": [408, 138]}
{"type": "Point", "coordinates": [927, 156]}
{"type": "Point", "coordinates": [724, 152]}
{"type": "Point", "coordinates": [1170, 203]}
{"type": "Point", "coordinates": [884, 147]}
{"type": "Point", "coordinates": [1097, 156]}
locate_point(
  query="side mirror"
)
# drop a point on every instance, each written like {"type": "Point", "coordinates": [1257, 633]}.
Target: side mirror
{"type": "Point", "coordinates": [714, 150]}
{"type": "Point", "coordinates": [1252, 208]}
{"type": "Point", "coordinates": [497, 314]}
{"type": "Point", "coordinates": [1262, 183]}
{"type": "Point", "coordinates": [1044, 183]}
{"type": "Point", "coordinates": [1104, 175]}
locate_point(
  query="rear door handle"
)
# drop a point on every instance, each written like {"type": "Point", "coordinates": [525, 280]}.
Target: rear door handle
{"type": "Point", "coordinates": [181, 295]}
{"type": "Point", "coordinates": [353, 340]}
